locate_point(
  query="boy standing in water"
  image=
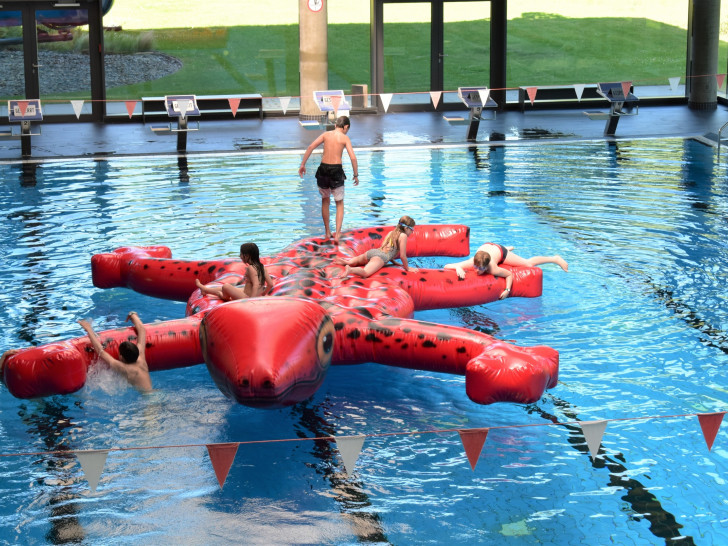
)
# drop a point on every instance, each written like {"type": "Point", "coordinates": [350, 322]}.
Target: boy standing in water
{"type": "Point", "coordinates": [132, 364]}
{"type": "Point", "coordinates": [330, 174]}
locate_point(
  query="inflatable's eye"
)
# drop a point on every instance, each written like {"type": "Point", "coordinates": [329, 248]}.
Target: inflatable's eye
{"type": "Point", "coordinates": [325, 341]}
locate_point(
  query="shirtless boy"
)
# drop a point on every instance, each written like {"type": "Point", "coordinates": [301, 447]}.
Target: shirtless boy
{"type": "Point", "coordinates": [132, 364]}
{"type": "Point", "coordinates": [330, 174]}
{"type": "Point", "coordinates": [490, 256]}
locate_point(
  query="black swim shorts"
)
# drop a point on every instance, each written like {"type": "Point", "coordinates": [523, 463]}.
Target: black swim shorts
{"type": "Point", "coordinates": [330, 175]}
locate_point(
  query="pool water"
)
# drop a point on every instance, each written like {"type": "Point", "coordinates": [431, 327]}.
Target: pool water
{"type": "Point", "coordinates": [639, 320]}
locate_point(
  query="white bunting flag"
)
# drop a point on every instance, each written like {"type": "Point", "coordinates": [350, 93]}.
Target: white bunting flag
{"type": "Point", "coordinates": [579, 90]}
{"type": "Point", "coordinates": [484, 95]}
{"type": "Point", "coordinates": [182, 105]}
{"type": "Point", "coordinates": [285, 101]}
{"type": "Point", "coordinates": [92, 463]}
{"type": "Point", "coordinates": [674, 82]}
{"type": "Point", "coordinates": [349, 448]}
{"type": "Point", "coordinates": [386, 99]}
{"type": "Point", "coordinates": [435, 96]}
{"type": "Point", "coordinates": [77, 106]}
{"type": "Point", "coordinates": [593, 432]}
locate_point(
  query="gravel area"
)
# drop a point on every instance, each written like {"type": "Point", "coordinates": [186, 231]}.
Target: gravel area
{"type": "Point", "coordinates": [69, 72]}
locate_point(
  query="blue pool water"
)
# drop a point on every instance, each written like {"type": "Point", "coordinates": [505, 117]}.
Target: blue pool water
{"type": "Point", "coordinates": [640, 323]}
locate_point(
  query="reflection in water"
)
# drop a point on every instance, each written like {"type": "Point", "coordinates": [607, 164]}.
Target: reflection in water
{"type": "Point", "coordinates": [28, 174]}
{"type": "Point", "coordinates": [47, 420]}
{"type": "Point", "coordinates": [184, 175]}
{"type": "Point", "coordinates": [642, 502]}
{"type": "Point", "coordinates": [348, 492]}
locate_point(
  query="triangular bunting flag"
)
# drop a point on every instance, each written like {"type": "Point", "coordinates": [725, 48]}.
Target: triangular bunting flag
{"type": "Point", "coordinates": [674, 82]}
{"type": "Point", "coordinates": [23, 105]}
{"type": "Point", "coordinates": [182, 104]}
{"type": "Point", "coordinates": [710, 423]}
{"type": "Point", "coordinates": [473, 440]}
{"type": "Point", "coordinates": [92, 463]}
{"type": "Point", "coordinates": [435, 96]}
{"type": "Point", "coordinates": [349, 448]}
{"type": "Point", "coordinates": [335, 103]}
{"type": "Point", "coordinates": [77, 105]}
{"type": "Point", "coordinates": [531, 93]}
{"type": "Point", "coordinates": [130, 106]}
{"type": "Point", "coordinates": [579, 90]}
{"type": "Point", "coordinates": [593, 432]}
{"type": "Point", "coordinates": [720, 78]}
{"type": "Point", "coordinates": [285, 101]}
{"type": "Point", "coordinates": [234, 105]}
{"type": "Point", "coordinates": [221, 457]}
{"type": "Point", "coordinates": [484, 94]}
{"type": "Point", "coordinates": [625, 87]}
{"type": "Point", "coordinates": [386, 99]}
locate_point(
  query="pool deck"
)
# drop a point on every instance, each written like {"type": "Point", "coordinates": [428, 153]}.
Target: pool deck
{"type": "Point", "coordinates": [80, 139]}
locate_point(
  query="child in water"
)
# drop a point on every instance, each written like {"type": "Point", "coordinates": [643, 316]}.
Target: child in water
{"type": "Point", "coordinates": [373, 260]}
{"type": "Point", "coordinates": [257, 280]}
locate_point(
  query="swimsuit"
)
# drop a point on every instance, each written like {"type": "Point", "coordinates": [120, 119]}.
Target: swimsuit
{"type": "Point", "coordinates": [385, 255]}
{"type": "Point", "coordinates": [504, 252]}
{"type": "Point", "coordinates": [330, 175]}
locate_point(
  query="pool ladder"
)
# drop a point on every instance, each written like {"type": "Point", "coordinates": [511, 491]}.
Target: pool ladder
{"type": "Point", "coordinates": [720, 131]}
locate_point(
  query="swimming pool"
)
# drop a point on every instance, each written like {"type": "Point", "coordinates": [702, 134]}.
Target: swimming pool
{"type": "Point", "coordinates": [639, 321]}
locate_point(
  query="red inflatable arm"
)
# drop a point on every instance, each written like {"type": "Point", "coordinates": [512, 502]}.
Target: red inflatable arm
{"type": "Point", "coordinates": [61, 368]}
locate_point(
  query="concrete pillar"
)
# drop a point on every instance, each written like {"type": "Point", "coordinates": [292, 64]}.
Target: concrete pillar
{"type": "Point", "coordinates": [704, 34]}
{"type": "Point", "coordinates": [313, 53]}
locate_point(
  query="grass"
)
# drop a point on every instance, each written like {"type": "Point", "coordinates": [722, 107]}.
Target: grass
{"type": "Point", "coordinates": [543, 49]}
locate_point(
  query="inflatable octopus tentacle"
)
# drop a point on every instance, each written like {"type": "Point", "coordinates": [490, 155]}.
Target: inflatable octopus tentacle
{"type": "Point", "coordinates": [151, 271]}
{"type": "Point", "coordinates": [495, 371]}
{"type": "Point", "coordinates": [61, 367]}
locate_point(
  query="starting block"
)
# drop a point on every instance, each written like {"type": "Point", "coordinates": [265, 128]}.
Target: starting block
{"type": "Point", "coordinates": [24, 112]}
{"type": "Point", "coordinates": [331, 102]}
{"type": "Point", "coordinates": [618, 94]}
{"type": "Point", "coordinates": [476, 99]}
{"type": "Point", "coordinates": [181, 107]}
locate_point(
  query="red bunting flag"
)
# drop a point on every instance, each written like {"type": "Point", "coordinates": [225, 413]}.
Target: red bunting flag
{"type": "Point", "coordinates": [130, 106]}
{"type": "Point", "coordinates": [221, 457]}
{"type": "Point", "coordinates": [234, 105]}
{"type": "Point", "coordinates": [473, 440]}
{"type": "Point", "coordinates": [531, 93]}
{"type": "Point", "coordinates": [626, 87]}
{"type": "Point", "coordinates": [720, 78]}
{"type": "Point", "coordinates": [336, 102]}
{"type": "Point", "coordinates": [710, 423]}
{"type": "Point", "coordinates": [23, 105]}
{"type": "Point", "coordinates": [435, 96]}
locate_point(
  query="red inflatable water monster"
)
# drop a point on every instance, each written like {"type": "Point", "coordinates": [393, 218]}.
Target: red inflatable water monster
{"type": "Point", "coordinates": [275, 350]}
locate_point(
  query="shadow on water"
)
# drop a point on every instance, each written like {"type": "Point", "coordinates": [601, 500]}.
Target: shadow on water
{"type": "Point", "coordinates": [641, 501]}
{"type": "Point", "coordinates": [348, 492]}
{"type": "Point", "coordinates": [48, 422]}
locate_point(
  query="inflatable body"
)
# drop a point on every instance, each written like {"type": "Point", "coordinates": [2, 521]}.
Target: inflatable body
{"type": "Point", "coordinates": [275, 350]}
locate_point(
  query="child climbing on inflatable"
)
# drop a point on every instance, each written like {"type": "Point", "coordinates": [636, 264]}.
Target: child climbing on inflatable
{"type": "Point", "coordinates": [373, 260]}
{"type": "Point", "coordinates": [490, 255]}
{"type": "Point", "coordinates": [257, 280]}
{"type": "Point", "coordinates": [132, 363]}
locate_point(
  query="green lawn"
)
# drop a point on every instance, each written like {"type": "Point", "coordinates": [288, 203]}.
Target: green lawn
{"type": "Point", "coordinates": [542, 50]}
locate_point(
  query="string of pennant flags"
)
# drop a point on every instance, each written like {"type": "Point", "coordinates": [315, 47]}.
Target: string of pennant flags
{"type": "Point", "coordinates": [386, 98]}
{"type": "Point", "coordinates": [222, 455]}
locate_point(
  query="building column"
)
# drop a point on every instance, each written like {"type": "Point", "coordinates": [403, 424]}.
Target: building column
{"type": "Point", "coordinates": [313, 53]}
{"type": "Point", "coordinates": [703, 38]}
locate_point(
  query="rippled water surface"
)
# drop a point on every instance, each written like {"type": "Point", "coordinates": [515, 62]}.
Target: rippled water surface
{"type": "Point", "coordinates": [640, 323]}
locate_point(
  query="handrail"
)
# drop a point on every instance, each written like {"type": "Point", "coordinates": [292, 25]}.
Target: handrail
{"type": "Point", "coordinates": [719, 132]}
